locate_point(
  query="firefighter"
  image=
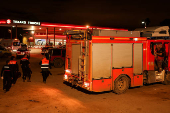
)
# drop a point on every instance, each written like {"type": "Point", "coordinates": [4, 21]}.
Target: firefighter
{"type": "Point", "coordinates": [45, 65]}
{"type": "Point", "coordinates": [25, 68]}
{"type": "Point", "coordinates": [6, 75]}
{"type": "Point", "coordinates": [14, 68]}
{"type": "Point", "coordinates": [160, 52]}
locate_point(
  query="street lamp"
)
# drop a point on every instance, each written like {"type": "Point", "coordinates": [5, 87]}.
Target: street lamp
{"type": "Point", "coordinates": [143, 22]}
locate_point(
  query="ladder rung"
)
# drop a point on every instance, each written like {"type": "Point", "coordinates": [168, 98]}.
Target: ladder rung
{"type": "Point", "coordinates": [84, 52]}
{"type": "Point", "coordinates": [81, 70]}
{"type": "Point", "coordinates": [144, 78]}
{"type": "Point", "coordinates": [84, 47]}
{"type": "Point", "coordinates": [81, 58]}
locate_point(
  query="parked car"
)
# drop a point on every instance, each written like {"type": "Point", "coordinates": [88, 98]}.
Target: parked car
{"type": "Point", "coordinates": [4, 52]}
{"type": "Point", "coordinates": [57, 56]}
{"type": "Point", "coordinates": [22, 51]}
{"type": "Point", "coordinates": [24, 46]}
{"type": "Point", "coordinates": [45, 49]}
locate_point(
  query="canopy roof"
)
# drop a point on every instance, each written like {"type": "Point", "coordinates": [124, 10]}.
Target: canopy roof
{"type": "Point", "coordinates": [156, 28]}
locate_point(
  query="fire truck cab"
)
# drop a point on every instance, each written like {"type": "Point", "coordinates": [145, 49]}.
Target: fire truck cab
{"type": "Point", "coordinates": [158, 67]}
{"type": "Point", "coordinates": [109, 63]}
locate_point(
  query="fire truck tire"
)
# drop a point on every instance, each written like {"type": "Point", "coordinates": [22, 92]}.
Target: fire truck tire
{"type": "Point", "coordinates": [167, 79]}
{"type": "Point", "coordinates": [121, 84]}
{"type": "Point", "coordinates": [58, 62]}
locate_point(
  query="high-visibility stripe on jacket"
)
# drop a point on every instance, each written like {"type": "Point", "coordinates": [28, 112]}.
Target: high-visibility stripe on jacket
{"type": "Point", "coordinates": [24, 59]}
{"type": "Point", "coordinates": [45, 63]}
{"type": "Point", "coordinates": [6, 68]}
{"type": "Point", "coordinates": [12, 62]}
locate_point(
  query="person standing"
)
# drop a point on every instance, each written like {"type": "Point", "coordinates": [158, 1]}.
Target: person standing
{"type": "Point", "coordinates": [25, 68]}
{"type": "Point", "coordinates": [45, 65]}
{"type": "Point", "coordinates": [6, 75]}
{"type": "Point", "coordinates": [14, 69]}
{"type": "Point", "coordinates": [160, 53]}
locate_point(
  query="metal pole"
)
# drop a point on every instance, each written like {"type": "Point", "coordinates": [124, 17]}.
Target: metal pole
{"type": "Point", "coordinates": [62, 41]}
{"type": "Point", "coordinates": [47, 36]}
{"type": "Point", "coordinates": [11, 32]}
{"type": "Point", "coordinates": [16, 31]}
{"type": "Point", "coordinates": [54, 36]}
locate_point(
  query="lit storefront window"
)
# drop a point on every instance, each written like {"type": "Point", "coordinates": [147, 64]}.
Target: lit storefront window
{"type": "Point", "coordinates": [40, 41]}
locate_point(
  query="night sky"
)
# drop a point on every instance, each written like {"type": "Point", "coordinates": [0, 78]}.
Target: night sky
{"type": "Point", "coordinates": [108, 13]}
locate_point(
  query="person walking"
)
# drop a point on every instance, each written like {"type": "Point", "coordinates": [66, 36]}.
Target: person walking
{"type": "Point", "coordinates": [14, 69]}
{"type": "Point", "coordinates": [6, 75]}
{"type": "Point", "coordinates": [45, 65]}
{"type": "Point", "coordinates": [25, 68]}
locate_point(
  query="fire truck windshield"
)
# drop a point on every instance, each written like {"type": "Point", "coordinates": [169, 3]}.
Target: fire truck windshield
{"type": "Point", "coordinates": [16, 44]}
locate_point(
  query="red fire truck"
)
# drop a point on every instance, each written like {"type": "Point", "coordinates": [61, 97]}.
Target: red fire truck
{"type": "Point", "coordinates": [108, 63]}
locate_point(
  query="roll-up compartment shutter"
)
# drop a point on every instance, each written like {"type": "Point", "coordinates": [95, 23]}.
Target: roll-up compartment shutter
{"type": "Point", "coordinates": [122, 55]}
{"type": "Point", "coordinates": [101, 61]}
{"type": "Point", "coordinates": [75, 58]}
{"type": "Point", "coordinates": [138, 59]}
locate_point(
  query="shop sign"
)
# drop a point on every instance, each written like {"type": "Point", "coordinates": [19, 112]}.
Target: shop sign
{"type": "Point", "coordinates": [34, 23]}
{"type": "Point", "coordinates": [8, 21]}
{"type": "Point", "coordinates": [19, 22]}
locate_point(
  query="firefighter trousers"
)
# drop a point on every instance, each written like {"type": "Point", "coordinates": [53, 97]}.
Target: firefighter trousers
{"type": "Point", "coordinates": [14, 75]}
{"type": "Point", "coordinates": [45, 74]}
{"type": "Point", "coordinates": [24, 74]}
{"type": "Point", "coordinates": [6, 82]}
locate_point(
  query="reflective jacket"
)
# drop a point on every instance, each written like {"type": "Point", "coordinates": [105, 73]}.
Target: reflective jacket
{"type": "Point", "coordinates": [45, 63]}
{"type": "Point", "coordinates": [6, 71]}
{"type": "Point", "coordinates": [13, 65]}
{"type": "Point", "coordinates": [24, 63]}
{"type": "Point", "coordinates": [12, 62]}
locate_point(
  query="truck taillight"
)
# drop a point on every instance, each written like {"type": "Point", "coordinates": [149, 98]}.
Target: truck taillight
{"type": "Point", "coordinates": [86, 84]}
{"type": "Point", "coordinates": [18, 52]}
{"type": "Point", "coordinates": [65, 76]}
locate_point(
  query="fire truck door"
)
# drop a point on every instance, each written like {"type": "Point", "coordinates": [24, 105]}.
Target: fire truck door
{"type": "Point", "coordinates": [138, 64]}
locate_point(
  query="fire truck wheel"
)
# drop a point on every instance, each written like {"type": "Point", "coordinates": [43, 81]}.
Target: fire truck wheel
{"type": "Point", "coordinates": [58, 63]}
{"type": "Point", "coordinates": [121, 84]}
{"type": "Point", "coordinates": [167, 79]}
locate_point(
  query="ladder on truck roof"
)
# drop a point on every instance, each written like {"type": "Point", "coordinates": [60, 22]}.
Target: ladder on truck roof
{"type": "Point", "coordinates": [84, 52]}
